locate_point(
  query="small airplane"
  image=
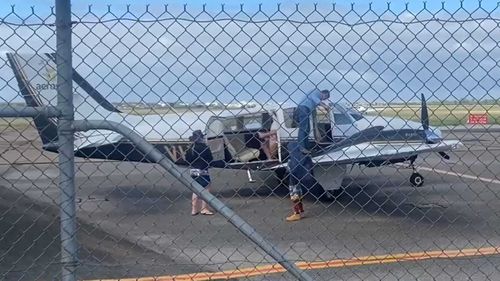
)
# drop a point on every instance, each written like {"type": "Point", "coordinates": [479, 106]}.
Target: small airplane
{"type": "Point", "coordinates": [342, 137]}
{"type": "Point", "coordinates": [362, 109]}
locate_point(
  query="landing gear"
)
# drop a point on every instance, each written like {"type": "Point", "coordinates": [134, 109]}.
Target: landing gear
{"type": "Point", "coordinates": [249, 176]}
{"type": "Point", "coordinates": [332, 195]}
{"type": "Point", "coordinates": [416, 179]}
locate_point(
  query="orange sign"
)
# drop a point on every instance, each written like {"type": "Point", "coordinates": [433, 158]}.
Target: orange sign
{"type": "Point", "coordinates": [478, 119]}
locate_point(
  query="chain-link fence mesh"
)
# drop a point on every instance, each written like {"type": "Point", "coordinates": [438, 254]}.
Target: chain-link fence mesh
{"type": "Point", "coordinates": [408, 87]}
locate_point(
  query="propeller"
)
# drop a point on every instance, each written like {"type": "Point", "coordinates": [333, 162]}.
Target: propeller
{"type": "Point", "coordinates": [424, 116]}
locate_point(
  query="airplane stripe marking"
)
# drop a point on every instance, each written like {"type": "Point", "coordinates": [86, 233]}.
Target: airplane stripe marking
{"type": "Point", "coordinates": [366, 260]}
{"type": "Point", "coordinates": [461, 175]}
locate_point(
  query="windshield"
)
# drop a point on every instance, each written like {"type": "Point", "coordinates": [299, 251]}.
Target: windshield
{"type": "Point", "coordinates": [357, 116]}
{"type": "Point", "coordinates": [342, 116]}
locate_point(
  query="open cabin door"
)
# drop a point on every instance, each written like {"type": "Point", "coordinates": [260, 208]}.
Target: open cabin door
{"type": "Point", "coordinates": [239, 139]}
{"type": "Point", "coordinates": [276, 127]}
{"type": "Point", "coordinates": [323, 125]}
{"type": "Point", "coordinates": [215, 137]}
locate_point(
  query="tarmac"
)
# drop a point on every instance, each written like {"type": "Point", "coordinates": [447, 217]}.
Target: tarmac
{"type": "Point", "coordinates": [134, 220]}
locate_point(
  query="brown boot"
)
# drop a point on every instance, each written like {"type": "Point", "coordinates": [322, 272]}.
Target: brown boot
{"type": "Point", "coordinates": [301, 209]}
{"type": "Point", "coordinates": [293, 217]}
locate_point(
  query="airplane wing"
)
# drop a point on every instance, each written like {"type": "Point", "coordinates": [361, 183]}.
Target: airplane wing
{"type": "Point", "coordinates": [378, 152]}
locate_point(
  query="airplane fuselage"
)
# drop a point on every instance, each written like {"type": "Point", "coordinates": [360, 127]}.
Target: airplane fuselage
{"type": "Point", "coordinates": [340, 137]}
{"type": "Point", "coordinates": [170, 133]}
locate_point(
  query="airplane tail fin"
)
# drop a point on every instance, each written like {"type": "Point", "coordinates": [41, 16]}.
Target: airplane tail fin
{"type": "Point", "coordinates": [47, 127]}
{"type": "Point", "coordinates": [37, 79]}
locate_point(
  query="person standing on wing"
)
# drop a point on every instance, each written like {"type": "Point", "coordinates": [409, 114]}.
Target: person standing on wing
{"type": "Point", "coordinates": [303, 113]}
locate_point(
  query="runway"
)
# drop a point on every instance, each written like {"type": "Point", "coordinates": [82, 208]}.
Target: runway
{"type": "Point", "coordinates": [135, 222]}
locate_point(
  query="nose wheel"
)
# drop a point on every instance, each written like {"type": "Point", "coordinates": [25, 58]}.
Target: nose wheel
{"type": "Point", "coordinates": [416, 179]}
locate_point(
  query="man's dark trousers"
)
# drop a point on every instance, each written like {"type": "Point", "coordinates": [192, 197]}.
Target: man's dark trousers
{"type": "Point", "coordinates": [303, 114]}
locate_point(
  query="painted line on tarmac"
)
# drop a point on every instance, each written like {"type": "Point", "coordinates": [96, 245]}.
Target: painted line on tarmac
{"type": "Point", "coordinates": [461, 175]}
{"type": "Point", "coordinates": [276, 268]}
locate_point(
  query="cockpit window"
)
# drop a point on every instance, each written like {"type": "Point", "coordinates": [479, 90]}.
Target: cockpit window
{"type": "Point", "coordinates": [356, 116]}
{"type": "Point", "coordinates": [342, 119]}
{"type": "Point", "coordinates": [339, 107]}
{"type": "Point", "coordinates": [342, 115]}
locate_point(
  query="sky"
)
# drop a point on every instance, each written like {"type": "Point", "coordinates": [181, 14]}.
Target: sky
{"type": "Point", "coordinates": [185, 60]}
{"type": "Point", "coordinates": [395, 5]}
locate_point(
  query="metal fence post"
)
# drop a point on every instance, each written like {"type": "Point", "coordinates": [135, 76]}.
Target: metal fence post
{"type": "Point", "coordinates": [66, 140]}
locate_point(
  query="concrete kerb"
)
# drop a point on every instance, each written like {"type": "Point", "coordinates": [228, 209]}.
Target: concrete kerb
{"type": "Point", "coordinates": [471, 128]}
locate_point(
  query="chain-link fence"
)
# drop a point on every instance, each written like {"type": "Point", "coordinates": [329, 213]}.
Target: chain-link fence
{"type": "Point", "coordinates": [357, 142]}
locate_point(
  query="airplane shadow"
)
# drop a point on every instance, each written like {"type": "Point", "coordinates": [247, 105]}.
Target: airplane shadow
{"type": "Point", "coordinates": [360, 196]}
{"type": "Point", "coordinates": [367, 197]}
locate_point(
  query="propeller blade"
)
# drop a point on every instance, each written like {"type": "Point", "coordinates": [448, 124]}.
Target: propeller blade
{"type": "Point", "coordinates": [424, 115]}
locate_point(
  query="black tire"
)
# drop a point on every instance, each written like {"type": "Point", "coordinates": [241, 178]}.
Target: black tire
{"type": "Point", "coordinates": [282, 175]}
{"type": "Point", "coordinates": [335, 194]}
{"type": "Point", "coordinates": [319, 193]}
{"type": "Point", "coordinates": [417, 180]}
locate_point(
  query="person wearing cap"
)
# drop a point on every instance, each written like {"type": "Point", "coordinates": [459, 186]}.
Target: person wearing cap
{"type": "Point", "coordinates": [303, 113]}
{"type": "Point", "coordinates": [199, 158]}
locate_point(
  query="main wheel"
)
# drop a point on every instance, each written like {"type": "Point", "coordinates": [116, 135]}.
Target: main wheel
{"type": "Point", "coordinates": [334, 194]}
{"type": "Point", "coordinates": [417, 180]}
{"type": "Point", "coordinates": [321, 194]}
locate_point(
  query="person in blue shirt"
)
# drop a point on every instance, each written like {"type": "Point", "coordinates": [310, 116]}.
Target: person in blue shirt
{"type": "Point", "coordinates": [303, 113]}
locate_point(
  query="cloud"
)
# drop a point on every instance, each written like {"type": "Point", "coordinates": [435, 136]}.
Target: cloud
{"type": "Point", "coordinates": [370, 57]}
